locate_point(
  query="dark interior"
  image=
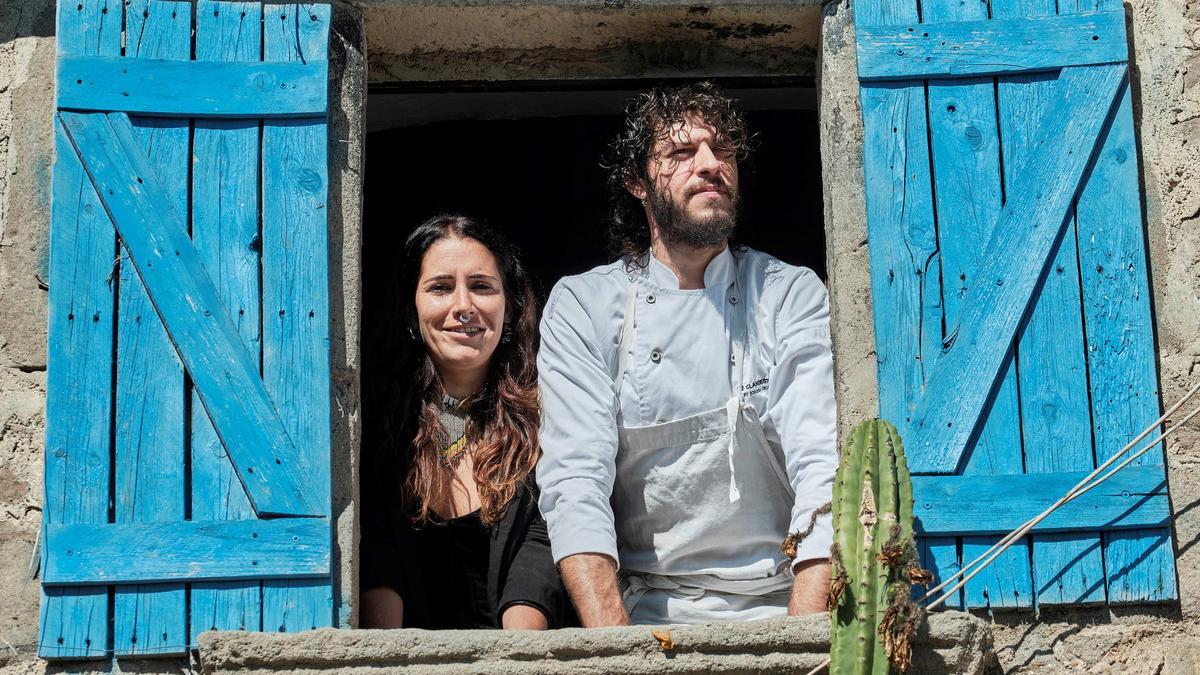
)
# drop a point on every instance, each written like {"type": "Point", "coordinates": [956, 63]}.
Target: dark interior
{"type": "Point", "coordinates": [538, 177]}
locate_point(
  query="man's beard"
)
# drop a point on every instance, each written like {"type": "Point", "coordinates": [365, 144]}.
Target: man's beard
{"type": "Point", "coordinates": [677, 227]}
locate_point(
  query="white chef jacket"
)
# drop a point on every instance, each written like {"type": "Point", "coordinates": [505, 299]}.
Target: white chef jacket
{"type": "Point", "coordinates": [680, 367]}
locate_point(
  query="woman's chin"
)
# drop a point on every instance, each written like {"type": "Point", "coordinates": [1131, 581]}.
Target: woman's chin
{"type": "Point", "coordinates": [461, 358]}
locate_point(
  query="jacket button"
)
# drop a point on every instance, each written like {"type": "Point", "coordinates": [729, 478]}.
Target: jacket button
{"type": "Point", "coordinates": [733, 299]}
{"type": "Point", "coordinates": [656, 356]}
{"type": "Point", "coordinates": [650, 298]}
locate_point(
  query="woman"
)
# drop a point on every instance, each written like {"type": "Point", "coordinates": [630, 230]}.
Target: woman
{"type": "Point", "coordinates": [457, 540]}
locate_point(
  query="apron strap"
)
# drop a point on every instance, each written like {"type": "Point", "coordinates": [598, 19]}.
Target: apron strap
{"type": "Point", "coordinates": [737, 355]}
{"type": "Point", "coordinates": [737, 358]}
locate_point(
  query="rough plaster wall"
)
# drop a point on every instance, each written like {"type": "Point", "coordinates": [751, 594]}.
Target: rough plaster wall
{"type": "Point", "coordinates": [952, 643]}
{"type": "Point", "coordinates": [588, 39]}
{"type": "Point", "coordinates": [347, 125]}
{"type": "Point", "coordinates": [1166, 80]}
{"type": "Point", "coordinates": [26, 56]}
{"type": "Point", "coordinates": [1167, 48]}
{"type": "Point", "coordinates": [846, 219]}
{"type": "Point", "coordinates": [26, 61]}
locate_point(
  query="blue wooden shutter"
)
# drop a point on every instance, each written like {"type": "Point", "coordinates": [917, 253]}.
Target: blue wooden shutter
{"type": "Point", "coordinates": [188, 431]}
{"type": "Point", "coordinates": [1010, 290]}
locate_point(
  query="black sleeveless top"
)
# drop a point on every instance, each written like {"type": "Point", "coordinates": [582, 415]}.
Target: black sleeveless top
{"type": "Point", "coordinates": [453, 559]}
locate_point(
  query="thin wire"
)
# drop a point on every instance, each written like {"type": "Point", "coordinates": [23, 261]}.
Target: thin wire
{"type": "Point", "coordinates": [1141, 452]}
{"type": "Point", "coordinates": [34, 557]}
{"type": "Point", "coordinates": [1076, 492]}
{"type": "Point", "coordinates": [1089, 482]}
{"type": "Point", "coordinates": [1009, 538]}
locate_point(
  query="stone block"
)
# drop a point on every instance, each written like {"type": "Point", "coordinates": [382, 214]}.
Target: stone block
{"type": "Point", "coordinates": [950, 642]}
{"type": "Point", "coordinates": [26, 157]}
{"type": "Point", "coordinates": [1182, 656]}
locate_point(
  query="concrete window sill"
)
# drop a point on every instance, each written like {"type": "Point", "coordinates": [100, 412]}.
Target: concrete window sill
{"type": "Point", "coordinates": [950, 642]}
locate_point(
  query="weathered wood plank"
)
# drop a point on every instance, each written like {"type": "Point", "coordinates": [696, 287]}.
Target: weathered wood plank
{"type": "Point", "coordinates": [296, 295]}
{"type": "Point", "coordinates": [198, 323]}
{"type": "Point", "coordinates": [1033, 219]}
{"type": "Point", "coordinates": [942, 48]}
{"type": "Point", "coordinates": [967, 184]}
{"type": "Point", "coordinates": [1133, 498]}
{"type": "Point", "coordinates": [149, 459]}
{"type": "Point", "coordinates": [207, 88]}
{"type": "Point", "coordinates": [83, 245]}
{"type": "Point", "coordinates": [225, 181]}
{"type": "Point", "coordinates": [187, 550]}
{"type": "Point", "coordinates": [1120, 340]}
{"type": "Point", "coordinates": [1140, 566]}
{"type": "Point", "coordinates": [1054, 405]}
{"type": "Point", "coordinates": [902, 244]}
{"type": "Point", "coordinates": [939, 555]}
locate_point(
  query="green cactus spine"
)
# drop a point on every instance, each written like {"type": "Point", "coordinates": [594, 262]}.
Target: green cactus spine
{"type": "Point", "coordinates": [874, 557]}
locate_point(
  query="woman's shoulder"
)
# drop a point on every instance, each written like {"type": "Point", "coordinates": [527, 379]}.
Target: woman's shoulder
{"type": "Point", "coordinates": [522, 505]}
{"type": "Point", "coordinates": [525, 498]}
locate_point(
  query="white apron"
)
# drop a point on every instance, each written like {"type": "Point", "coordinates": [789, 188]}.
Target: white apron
{"type": "Point", "coordinates": [701, 504]}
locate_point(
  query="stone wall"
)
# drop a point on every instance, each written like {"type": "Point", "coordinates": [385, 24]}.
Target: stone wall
{"type": "Point", "coordinates": [1166, 36]}
{"type": "Point", "coordinates": [347, 134]}
{"type": "Point", "coordinates": [1166, 85]}
{"type": "Point", "coordinates": [481, 40]}
{"type": "Point", "coordinates": [952, 642]}
{"type": "Point", "coordinates": [26, 106]}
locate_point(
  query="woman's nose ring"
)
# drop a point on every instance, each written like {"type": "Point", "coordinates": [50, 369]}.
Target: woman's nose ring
{"type": "Point", "coordinates": [465, 317]}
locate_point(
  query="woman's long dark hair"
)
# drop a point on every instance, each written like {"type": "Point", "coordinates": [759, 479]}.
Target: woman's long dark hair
{"type": "Point", "coordinates": [504, 416]}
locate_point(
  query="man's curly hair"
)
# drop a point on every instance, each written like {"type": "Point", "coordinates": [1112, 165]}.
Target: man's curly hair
{"type": "Point", "coordinates": [648, 119]}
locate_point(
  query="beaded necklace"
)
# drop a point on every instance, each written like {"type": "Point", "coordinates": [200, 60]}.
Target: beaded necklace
{"type": "Point", "coordinates": [454, 421]}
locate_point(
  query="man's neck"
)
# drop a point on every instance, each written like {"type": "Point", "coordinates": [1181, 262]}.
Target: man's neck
{"type": "Point", "coordinates": [687, 262]}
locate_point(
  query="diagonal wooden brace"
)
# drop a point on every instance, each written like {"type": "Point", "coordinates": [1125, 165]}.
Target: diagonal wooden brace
{"type": "Point", "coordinates": [187, 301]}
{"type": "Point", "coordinates": [1012, 266]}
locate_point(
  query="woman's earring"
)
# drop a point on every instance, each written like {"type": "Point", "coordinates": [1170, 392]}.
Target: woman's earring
{"type": "Point", "coordinates": [506, 334]}
{"type": "Point", "coordinates": [412, 333]}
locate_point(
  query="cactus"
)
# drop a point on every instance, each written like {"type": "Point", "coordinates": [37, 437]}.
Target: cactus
{"type": "Point", "coordinates": [874, 558]}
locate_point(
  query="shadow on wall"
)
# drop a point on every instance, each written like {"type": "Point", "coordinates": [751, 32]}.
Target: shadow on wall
{"type": "Point", "coordinates": [26, 18]}
{"type": "Point", "coordinates": [1093, 635]}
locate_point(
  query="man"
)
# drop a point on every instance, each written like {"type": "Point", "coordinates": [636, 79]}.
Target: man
{"type": "Point", "coordinates": [688, 426]}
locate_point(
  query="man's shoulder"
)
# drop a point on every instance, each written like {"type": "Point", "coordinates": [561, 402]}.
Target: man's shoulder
{"type": "Point", "coordinates": [790, 299]}
{"type": "Point", "coordinates": [598, 286]}
{"type": "Point", "coordinates": [773, 272]}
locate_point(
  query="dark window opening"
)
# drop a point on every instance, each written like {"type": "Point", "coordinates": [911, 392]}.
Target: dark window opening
{"type": "Point", "coordinates": [528, 162]}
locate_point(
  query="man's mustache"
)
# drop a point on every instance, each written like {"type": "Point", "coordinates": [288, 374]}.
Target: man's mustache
{"type": "Point", "coordinates": [719, 185]}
